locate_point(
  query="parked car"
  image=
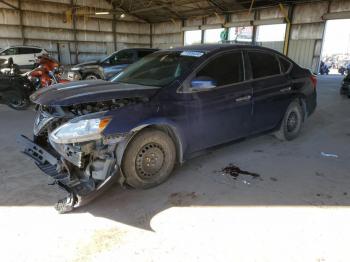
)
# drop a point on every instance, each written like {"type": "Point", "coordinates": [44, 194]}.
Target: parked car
{"type": "Point", "coordinates": [160, 111]}
{"type": "Point", "coordinates": [345, 86]}
{"type": "Point", "coordinates": [23, 56]}
{"type": "Point", "coordinates": [109, 66]}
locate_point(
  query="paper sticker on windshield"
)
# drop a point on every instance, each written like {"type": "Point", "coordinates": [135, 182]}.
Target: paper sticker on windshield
{"type": "Point", "coordinates": [192, 53]}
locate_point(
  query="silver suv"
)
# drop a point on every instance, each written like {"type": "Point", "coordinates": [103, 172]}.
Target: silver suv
{"type": "Point", "coordinates": [23, 56]}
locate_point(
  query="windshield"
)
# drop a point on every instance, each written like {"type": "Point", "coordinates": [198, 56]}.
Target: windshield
{"type": "Point", "coordinates": [158, 69]}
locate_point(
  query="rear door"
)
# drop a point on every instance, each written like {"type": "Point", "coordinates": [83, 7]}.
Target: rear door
{"type": "Point", "coordinates": [222, 113]}
{"type": "Point", "coordinates": [27, 56]}
{"type": "Point", "coordinates": [271, 89]}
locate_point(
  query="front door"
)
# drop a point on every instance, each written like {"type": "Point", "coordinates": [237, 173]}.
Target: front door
{"type": "Point", "coordinates": [222, 113]}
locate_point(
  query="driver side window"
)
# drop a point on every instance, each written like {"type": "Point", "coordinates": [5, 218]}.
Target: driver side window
{"type": "Point", "coordinates": [10, 51]}
{"type": "Point", "coordinates": [223, 70]}
{"type": "Point", "coordinates": [123, 57]}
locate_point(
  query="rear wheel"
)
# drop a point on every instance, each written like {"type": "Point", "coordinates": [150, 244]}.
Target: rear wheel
{"type": "Point", "coordinates": [17, 100]}
{"type": "Point", "coordinates": [292, 122]}
{"type": "Point", "coordinates": [149, 159]}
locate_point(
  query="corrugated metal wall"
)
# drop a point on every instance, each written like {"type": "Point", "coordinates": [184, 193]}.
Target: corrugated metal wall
{"type": "Point", "coordinates": [167, 35]}
{"type": "Point", "coordinates": [307, 34]}
{"type": "Point", "coordinates": [276, 45]}
{"type": "Point", "coordinates": [302, 52]}
{"type": "Point", "coordinates": [44, 23]}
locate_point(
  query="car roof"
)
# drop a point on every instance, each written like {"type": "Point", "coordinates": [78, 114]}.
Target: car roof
{"type": "Point", "coordinates": [208, 48]}
{"type": "Point", "coordinates": [25, 46]}
{"type": "Point", "coordinates": [135, 49]}
{"type": "Point", "coordinates": [141, 48]}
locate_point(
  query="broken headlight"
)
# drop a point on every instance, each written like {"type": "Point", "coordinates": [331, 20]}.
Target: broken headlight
{"type": "Point", "coordinates": [41, 120]}
{"type": "Point", "coordinates": [79, 130]}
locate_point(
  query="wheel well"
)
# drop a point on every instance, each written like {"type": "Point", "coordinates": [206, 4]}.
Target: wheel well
{"type": "Point", "coordinates": [302, 103]}
{"type": "Point", "coordinates": [90, 73]}
{"type": "Point", "coordinates": [172, 134]}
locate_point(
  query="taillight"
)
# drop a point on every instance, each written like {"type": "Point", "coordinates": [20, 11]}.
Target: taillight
{"type": "Point", "coordinates": [313, 80]}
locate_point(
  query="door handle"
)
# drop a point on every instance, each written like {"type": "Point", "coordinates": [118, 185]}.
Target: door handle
{"type": "Point", "coordinates": [286, 89]}
{"type": "Point", "coordinates": [243, 98]}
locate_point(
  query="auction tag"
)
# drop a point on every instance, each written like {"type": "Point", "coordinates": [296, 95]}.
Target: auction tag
{"type": "Point", "coordinates": [192, 53]}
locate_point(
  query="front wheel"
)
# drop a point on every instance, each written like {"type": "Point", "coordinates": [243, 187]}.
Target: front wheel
{"type": "Point", "coordinates": [292, 122]}
{"type": "Point", "coordinates": [149, 159]}
{"type": "Point", "coordinates": [91, 77]}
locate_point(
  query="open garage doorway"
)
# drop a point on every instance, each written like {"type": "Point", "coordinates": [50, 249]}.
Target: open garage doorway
{"type": "Point", "coordinates": [335, 57]}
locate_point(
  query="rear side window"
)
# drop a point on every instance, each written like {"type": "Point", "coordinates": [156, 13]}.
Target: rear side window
{"type": "Point", "coordinates": [143, 53]}
{"type": "Point", "coordinates": [285, 65]}
{"type": "Point", "coordinates": [28, 50]}
{"type": "Point", "coordinates": [224, 69]}
{"type": "Point", "coordinates": [263, 64]}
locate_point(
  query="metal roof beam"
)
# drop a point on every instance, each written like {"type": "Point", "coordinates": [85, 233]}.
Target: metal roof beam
{"type": "Point", "coordinates": [8, 4]}
{"type": "Point", "coordinates": [214, 3]}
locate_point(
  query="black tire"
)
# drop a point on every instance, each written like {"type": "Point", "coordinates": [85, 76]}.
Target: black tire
{"type": "Point", "coordinates": [91, 76]}
{"type": "Point", "coordinates": [16, 100]}
{"type": "Point", "coordinates": [292, 122]}
{"type": "Point", "coordinates": [148, 159]}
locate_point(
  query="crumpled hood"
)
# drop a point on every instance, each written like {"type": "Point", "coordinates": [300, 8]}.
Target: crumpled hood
{"type": "Point", "coordinates": [89, 91]}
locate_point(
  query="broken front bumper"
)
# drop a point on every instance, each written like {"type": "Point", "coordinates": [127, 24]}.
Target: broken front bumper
{"type": "Point", "coordinates": [80, 191]}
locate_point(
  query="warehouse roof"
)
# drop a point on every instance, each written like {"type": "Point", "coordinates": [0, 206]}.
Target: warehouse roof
{"type": "Point", "coordinates": [166, 10]}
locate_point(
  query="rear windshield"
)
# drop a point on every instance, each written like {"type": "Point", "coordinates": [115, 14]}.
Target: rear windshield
{"type": "Point", "coordinates": [158, 69]}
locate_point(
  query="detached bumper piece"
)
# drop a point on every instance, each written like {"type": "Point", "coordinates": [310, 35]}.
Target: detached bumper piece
{"type": "Point", "coordinates": [80, 191]}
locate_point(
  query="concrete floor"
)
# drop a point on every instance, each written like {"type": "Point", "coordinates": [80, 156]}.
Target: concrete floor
{"type": "Point", "coordinates": [297, 211]}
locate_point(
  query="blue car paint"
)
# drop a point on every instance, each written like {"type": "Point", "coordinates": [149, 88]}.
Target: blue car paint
{"type": "Point", "coordinates": [103, 69]}
{"type": "Point", "coordinates": [199, 119]}
{"type": "Point", "coordinates": [110, 71]}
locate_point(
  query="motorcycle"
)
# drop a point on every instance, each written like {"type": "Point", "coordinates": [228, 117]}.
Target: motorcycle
{"type": "Point", "coordinates": [15, 88]}
{"type": "Point", "coordinates": [46, 73]}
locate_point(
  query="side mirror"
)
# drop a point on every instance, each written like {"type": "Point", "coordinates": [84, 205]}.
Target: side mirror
{"type": "Point", "coordinates": [203, 83]}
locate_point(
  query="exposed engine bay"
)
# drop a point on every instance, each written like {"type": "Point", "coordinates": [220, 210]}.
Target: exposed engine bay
{"type": "Point", "coordinates": [69, 147]}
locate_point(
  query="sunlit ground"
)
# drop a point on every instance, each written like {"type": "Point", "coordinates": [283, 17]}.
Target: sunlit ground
{"type": "Point", "coordinates": [180, 234]}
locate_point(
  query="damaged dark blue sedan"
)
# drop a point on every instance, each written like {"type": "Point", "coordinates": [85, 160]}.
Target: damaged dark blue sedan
{"type": "Point", "coordinates": [159, 111]}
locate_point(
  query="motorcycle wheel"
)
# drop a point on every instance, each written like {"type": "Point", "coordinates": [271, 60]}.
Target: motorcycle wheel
{"type": "Point", "coordinates": [17, 101]}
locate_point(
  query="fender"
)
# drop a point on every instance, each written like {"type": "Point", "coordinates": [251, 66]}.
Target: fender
{"type": "Point", "coordinates": [158, 123]}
